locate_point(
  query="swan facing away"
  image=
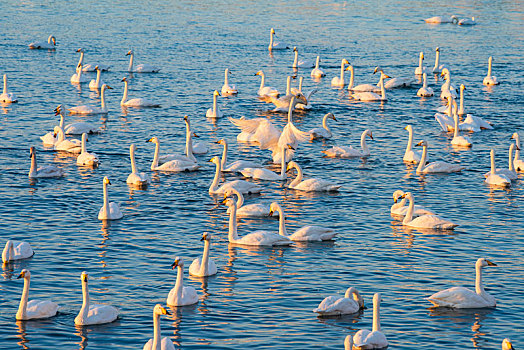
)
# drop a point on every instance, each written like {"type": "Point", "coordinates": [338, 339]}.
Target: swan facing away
{"type": "Point", "coordinates": [438, 67]}
{"type": "Point", "coordinates": [317, 72]}
{"type": "Point", "coordinates": [93, 110]}
{"type": "Point", "coordinates": [214, 112]}
{"type": "Point", "coordinates": [350, 152]}
{"type": "Point", "coordinates": [332, 305]}
{"type": "Point", "coordinates": [227, 89]}
{"type": "Point", "coordinates": [494, 177]}
{"type": "Point", "coordinates": [255, 210]}
{"type": "Point", "coordinates": [85, 158]}
{"type": "Point", "coordinates": [425, 91]}
{"type": "Point", "coordinates": [203, 265]}
{"type": "Point", "coordinates": [6, 96]}
{"type": "Point", "coordinates": [109, 211]}
{"type": "Point", "coordinates": [140, 68]}
{"type": "Point", "coordinates": [464, 298]}
{"type": "Point", "coordinates": [309, 185]}
{"type": "Point", "coordinates": [275, 45]}
{"type": "Point", "coordinates": [96, 84]}
{"type": "Point", "coordinates": [490, 79]}
{"type": "Point", "coordinates": [509, 172]}
{"type": "Point", "coordinates": [323, 132]}
{"type": "Point", "coordinates": [425, 221]}
{"type": "Point", "coordinates": [369, 96]}
{"type": "Point", "coordinates": [44, 171]}
{"type": "Point", "coordinates": [401, 209]}
{"type": "Point", "coordinates": [44, 45]}
{"type": "Point", "coordinates": [442, 19]}
{"type": "Point", "coordinates": [34, 309]}
{"type": "Point", "coordinates": [16, 250]}
{"type": "Point", "coordinates": [136, 179]}
{"type": "Point", "coordinates": [157, 342]}
{"type": "Point", "coordinates": [411, 155]}
{"type": "Point", "coordinates": [241, 185]}
{"type": "Point", "coordinates": [181, 295]}
{"type": "Point", "coordinates": [93, 313]}
{"type": "Point", "coordinates": [136, 102]}
{"type": "Point", "coordinates": [435, 167]}
{"type": "Point", "coordinates": [420, 69]}
{"type": "Point", "coordinates": [364, 339]}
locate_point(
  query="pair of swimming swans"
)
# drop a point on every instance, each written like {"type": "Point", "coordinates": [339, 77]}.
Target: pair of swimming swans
{"type": "Point", "coordinates": [435, 167]}
{"type": "Point", "coordinates": [311, 184]}
{"type": "Point", "coordinates": [109, 210]}
{"type": "Point", "coordinates": [44, 171]}
{"type": "Point", "coordinates": [140, 68]}
{"type": "Point", "coordinates": [236, 166]}
{"type": "Point", "coordinates": [283, 103]}
{"type": "Point", "coordinates": [424, 221]}
{"type": "Point", "coordinates": [136, 179]}
{"type": "Point", "coordinates": [399, 208]}
{"type": "Point", "coordinates": [332, 305]}
{"type": "Point", "coordinates": [64, 144]}
{"type": "Point", "coordinates": [350, 152]}
{"type": "Point", "coordinates": [471, 123]}
{"type": "Point", "coordinates": [499, 177]}
{"type": "Point", "coordinates": [76, 128]}
{"type": "Point", "coordinates": [93, 110]}
{"type": "Point", "coordinates": [369, 96]}
{"type": "Point", "coordinates": [16, 250]}
{"type": "Point", "coordinates": [85, 158]}
{"type": "Point", "coordinates": [50, 44]}
{"type": "Point", "coordinates": [136, 102]}
{"type": "Point", "coordinates": [91, 314]}
{"type": "Point", "coordinates": [396, 82]}
{"type": "Point", "coordinates": [241, 185]}
{"type": "Point", "coordinates": [6, 96]}
{"type": "Point", "coordinates": [181, 295]}
{"type": "Point", "coordinates": [510, 171]}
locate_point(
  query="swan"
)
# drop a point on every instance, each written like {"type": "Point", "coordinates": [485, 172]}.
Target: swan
{"type": "Point", "coordinates": [411, 155]}
{"type": "Point", "coordinates": [467, 21]}
{"type": "Point", "coordinates": [510, 172]}
{"type": "Point", "coordinates": [495, 178]}
{"type": "Point", "coordinates": [6, 96]}
{"type": "Point", "coordinates": [93, 313]}
{"type": "Point", "coordinates": [333, 305]}
{"type": "Point", "coordinates": [43, 45]}
{"type": "Point", "coordinates": [214, 112]}
{"type": "Point", "coordinates": [435, 167]}
{"type": "Point", "coordinates": [193, 147]}
{"type": "Point", "coordinates": [446, 88]}
{"type": "Point", "coordinates": [471, 123]}
{"type": "Point", "coordinates": [517, 162]}
{"type": "Point", "coordinates": [109, 211]}
{"type": "Point", "coordinates": [93, 110]}
{"type": "Point", "coordinates": [86, 158]}
{"type": "Point", "coordinates": [188, 158]}
{"type": "Point", "coordinates": [199, 147]}
{"type": "Point", "coordinates": [506, 344]}
{"type": "Point", "coordinates": [282, 103]}
{"type": "Point", "coordinates": [257, 238]}
{"type": "Point", "coordinates": [461, 103]}
{"type": "Point", "coordinates": [363, 87]}
{"type": "Point", "coordinates": [459, 140]}
{"type": "Point", "coordinates": [400, 208]}
{"type": "Point", "coordinates": [420, 69]}
{"type": "Point", "coordinates": [34, 309]}
{"type": "Point", "coordinates": [273, 45]}
{"type": "Point", "coordinates": [49, 139]}
{"type": "Point", "coordinates": [95, 84]}
{"type": "Point", "coordinates": [241, 185]}
{"type": "Point", "coordinates": [441, 19]}
{"type": "Point", "coordinates": [266, 174]}
{"type": "Point", "coordinates": [464, 298]}
{"type": "Point", "coordinates": [237, 165]}
{"type": "Point", "coordinates": [349, 152]}
{"type": "Point", "coordinates": [309, 233]}
{"type": "Point", "coordinates": [437, 68]}
{"type": "Point", "coordinates": [265, 91]}
{"type": "Point", "coordinates": [364, 339]}
{"type": "Point", "coordinates": [91, 67]}
{"type": "Point", "coordinates": [203, 265]}
{"type": "Point", "coordinates": [140, 68]}
{"type": "Point", "coordinates": [301, 63]}
{"type": "Point", "coordinates": [78, 78]}
{"type": "Point", "coordinates": [44, 171]}
{"type": "Point", "coordinates": [306, 95]}
{"type": "Point", "coordinates": [425, 91]}
{"type": "Point", "coordinates": [136, 179]}
{"type": "Point", "coordinates": [180, 295]}
{"type": "Point", "coordinates": [16, 250]}
{"type": "Point", "coordinates": [63, 144]}
{"type": "Point", "coordinates": [135, 102]}
{"type": "Point", "coordinates": [490, 79]}
{"type": "Point", "coordinates": [259, 130]}
{"type": "Point", "coordinates": [398, 82]}
{"type": "Point", "coordinates": [309, 185]}
{"type": "Point", "coordinates": [77, 128]}
{"type": "Point", "coordinates": [339, 81]}
{"type": "Point", "coordinates": [425, 221]}
{"type": "Point", "coordinates": [158, 343]}
{"type": "Point", "coordinates": [255, 210]}
{"type": "Point", "coordinates": [348, 342]}
{"type": "Point", "coordinates": [323, 132]}
{"type": "Point", "coordinates": [226, 88]}
{"type": "Point", "coordinates": [317, 72]}
{"type": "Point", "coordinates": [369, 96]}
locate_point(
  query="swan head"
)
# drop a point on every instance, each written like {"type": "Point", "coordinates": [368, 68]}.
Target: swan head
{"type": "Point", "coordinates": [291, 165]}
{"type": "Point", "coordinates": [83, 276]}
{"type": "Point", "coordinates": [130, 52]}
{"type": "Point", "coordinates": [331, 116]}
{"type": "Point", "coordinates": [216, 93]}
{"type": "Point", "coordinates": [272, 31]}
{"type": "Point", "coordinates": [273, 208]}
{"type": "Point", "coordinates": [24, 273]}
{"type": "Point", "coordinates": [295, 49]}
{"type": "Point", "coordinates": [345, 61]}
{"type": "Point", "coordinates": [506, 344]}
{"type": "Point", "coordinates": [349, 67]}
{"type": "Point", "coordinates": [515, 136]}
{"type": "Point", "coordinates": [408, 128]}
{"type": "Point", "coordinates": [227, 71]}
{"type": "Point", "coordinates": [421, 55]}
{"type": "Point", "coordinates": [80, 50]}
{"type": "Point", "coordinates": [397, 194]}
{"type": "Point", "coordinates": [484, 262]}
{"type": "Point", "coordinates": [56, 130]}
{"type": "Point", "coordinates": [53, 39]}
{"type": "Point", "coordinates": [259, 73]}
{"type": "Point", "coordinates": [32, 153]}
{"type": "Point", "coordinates": [422, 143]}
{"type": "Point", "coordinates": [132, 148]}
{"type": "Point", "coordinates": [106, 87]}
{"type": "Point", "coordinates": [206, 237]}
{"type": "Point", "coordinates": [462, 87]}
{"type": "Point", "coordinates": [124, 79]}
{"type": "Point", "coordinates": [160, 310]}
{"type": "Point", "coordinates": [437, 49]}
{"type": "Point", "coordinates": [215, 160]}
{"type": "Point", "coordinates": [407, 195]}
{"type": "Point", "coordinates": [454, 19]}
{"type": "Point", "coordinates": [445, 73]}
{"type": "Point", "coordinates": [299, 97]}
{"type": "Point", "coordinates": [153, 140]}
{"type": "Point", "coordinates": [377, 69]}
{"type": "Point", "coordinates": [368, 132]}
{"type": "Point", "coordinates": [229, 202]}
{"type": "Point", "coordinates": [97, 68]}
{"type": "Point", "coordinates": [58, 110]}
{"type": "Point", "coordinates": [221, 142]}
{"type": "Point", "coordinates": [106, 181]}
{"type": "Point", "coordinates": [177, 262]}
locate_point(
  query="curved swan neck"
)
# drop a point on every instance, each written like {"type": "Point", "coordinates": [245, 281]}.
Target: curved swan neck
{"type": "Point", "coordinates": [281, 221]}
{"type": "Point", "coordinates": [240, 198]}
{"type": "Point", "coordinates": [61, 135]}
{"type": "Point", "coordinates": [22, 308]}
{"type": "Point", "coordinates": [5, 83]}
{"type": "Point", "coordinates": [224, 155]}
{"type": "Point", "coordinates": [98, 77]}
{"type": "Point", "coordinates": [214, 184]}
{"type": "Point", "coordinates": [205, 258]}
{"type": "Point", "coordinates": [422, 162]}
{"type": "Point", "coordinates": [233, 235]}
{"type": "Point", "coordinates": [325, 124]}
{"type": "Point", "coordinates": [80, 62]}
{"type": "Point", "coordinates": [297, 179]}
{"type": "Point", "coordinates": [270, 40]}
{"type": "Point", "coordinates": [84, 139]}
{"type": "Point", "coordinates": [479, 288]}
{"type": "Point", "coordinates": [492, 156]}
{"type": "Point", "coordinates": [409, 214]}
{"type": "Point", "coordinates": [124, 97]}
{"type": "Point", "coordinates": [61, 120]}
{"type": "Point", "coordinates": [102, 98]}
{"type": "Point", "coordinates": [130, 68]}
{"type": "Point", "coordinates": [382, 88]}
{"type": "Point", "coordinates": [106, 200]}
{"type": "Point", "coordinates": [510, 158]}
{"type": "Point", "coordinates": [262, 82]}
{"type": "Point", "coordinates": [461, 106]}
{"type": "Point", "coordinates": [489, 66]}
{"type": "Point", "coordinates": [156, 332]}
{"type": "Point", "coordinates": [410, 140]}
{"type": "Point", "coordinates": [155, 157]}
{"type": "Point", "coordinates": [132, 157]}
{"type": "Point", "coordinates": [85, 301]}
{"type": "Point", "coordinates": [363, 144]}
{"type": "Point", "coordinates": [351, 78]}
{"type": "Point", "coordinates": [376, 315]}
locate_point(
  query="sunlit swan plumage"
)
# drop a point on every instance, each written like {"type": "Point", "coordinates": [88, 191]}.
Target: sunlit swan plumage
{"type": "Point", "coordinates": [79, 77]}
{"type": "Point", "coordinates": [311, 184]}
{"type": "Point", "coordinates": [16, 250]}
{"type": "Point", "coordinates": [282, 103]}
{"type": "Point", "coordinates": [509, 172]}
{"type": "Point", "coordinates": [109, 210]}
{"type": "Point", "coordinates": [401, 209]}
{"type": "Point", "coordinates": [517, 162]}
{"type": "Point", "coordinates": [425, 221]}
{"type": "Point", "coordinates": [397, 82]}
{"type": "Point", "coordinates": [437, 68]}
{"type": "Point", "coordinates": [323, 132]}
{"type": "Point", "coordinates": [495, 178]}
{"type": "Point", "coordinates": [435, 167]}
{"type": "Point", "coordinates": [241, 185]}
{"type": "Point", "coordinates": [348, 342]}
{"type": "Point", "coordinates": [237, 165]}
{"type": "Point", "coordinates": [93, 110]}
{"type": "Point", "coordinates": [181, 295]}
{"type": "Point", "coordinates": [93, 313]}
{"type": "Point", "coordinates": [66, 145]}
{"type": "Point", "coordinates": [464, 298]}
{"type": "Point", "coordinates": [214, 112]}
{"type": "Point", "coordinates": [86, 67]}
{"type": "Point", "coordinates": [140, 68]}
{"type": "Point", "coordinates": [471, 122]}
{"type": "Point", "coordinates": [274, 45]}
{"type": "Point", "coordinates": [85, 158]}
{"type": "Point", "coordinates": [350, 152]}
{"type": "Point", "coordinates": [6, 96]}
{"type": "Point", "coordinates": [96, 83]}
{"type": "Point", "coordinates": [411, 155]}
{"type": "Point", "coordinates": [339, 81]}
{"type": "Point", "coordinates": [266, 174]}
{"type": "Point", "coordinates": [255, 210]}
{"type": "Point", "coordinates": [447, 89]}
{"type": "Point", "coordinates": [364, 339]}
{"type": "Point", "coordinates": [44, 171]}
{"type": "Point", "coordinates": [459, 140]}
{"type": "Point", "coordinates": [203, 265]}
{"type": "Point", "coordinates": [135, 102]}
{"type": "Point", "coordinates": [307, 95]}
{"type": "Point", "coordinates": [362, 87]}
{"type": "Point", "coordinates": [317, 72]}
{"type": "Point", "coordinates": [420, 69]}
{"type": "Point", "coordinates": [490, 79]}
{"type": "Point", "coordinates": [34, 309]}
{"type": "Point", "coordinates": [226, 88]}
{"type": "Point", "coordinates": [265, 91]}
{"type": "Point", "coordinates": [301, 63]}
{"type": "Point", "coordinates": [77, 128]}
{"type": "Point", "coordinates": [259, 130]}
{"type": "Point", "coordinates": [506, 344]}
{"type": "Point", "coordinates": [369, 96]}
{"type": "Point", "coordinates": [136, 179]}
{"type": "Point", "coordinates": [441, 19]}
{"type": "Point", "coordinates": [333, 305]}
{"type": "Point", "coordinates": [467, 21]}
{"type": "Point", "coordinates": [425, 91]}
{"type": "Point", "coordinates": [44, 45]}
{"type": "Point", "coordinates": [157, 342]}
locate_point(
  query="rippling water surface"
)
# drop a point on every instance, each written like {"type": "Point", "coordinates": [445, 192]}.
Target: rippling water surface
{"type": "Point", "coordinates": [261, 298]}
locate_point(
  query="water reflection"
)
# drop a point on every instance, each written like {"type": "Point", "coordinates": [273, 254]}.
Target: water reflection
{"type": "Point", "coordinates": [22, 334]}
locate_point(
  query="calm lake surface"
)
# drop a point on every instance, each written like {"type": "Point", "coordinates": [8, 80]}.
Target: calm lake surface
{"type": "Point", "coordinates": [261, 297]}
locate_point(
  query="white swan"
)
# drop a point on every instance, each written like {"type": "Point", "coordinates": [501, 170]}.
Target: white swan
{"type": "Point", "coordinates": [441, 19]}
{"type": "Point", "coordinates": [34, 309]}
{"type": "Point", "coordinates": [66, 145]}
{"type": "Point", "coordinates": [425, 91]}
{"type": "Point", "coordinates": [411, 155]}
{"type": "Point", "coordinates": [136, 102]}
{"type": "Point", "coordinates": [339, 81]}
{"type": "Point", "coordinates": [44, 45]}
{"type": "Point", "coordinates": [85, 158]}
{"type": "Point", "coordinates": [309, 233]}
{"type": "Point", "coordinates": [175, 162]}
{"type": "Point", "coordinates": [226, 88]}
{"type": "Point", "coordinates": [109, 211]}
{"type": "Point", "coordinates": [237, 165]}
{"type": "Point", "coordinates": [16, 250]}
{"type": "Point", "coordinates": [282, 103]}
{"type": "Point", "coordinates": [323, 132]}
{"type": "Point", "coordinates": [44, 171]}
{"type": "Point", "coordinates": [96, 84]}
{"type": "Point", "coordinates": [459, 140]}
{"type": "Point", "coordinates": [257, 238]}
{"type": "Point", "coordinates": [333, 305]}
{"type": "Point", "coordinates": [157, 342]}
{"type": "Point", "coordinates": [510, 172]}
{"type": "Point", "coordinates": [307, 95]}
{"type": "Point", "coordinates": [259, 130]}
{"type": "Point", "coordinates": [93, 313]}
{"type": "Point", "coordinates": [364, 339]}
{"type": "Point", "coordinates": [437, 68]}
{"type": "Point", "coordinates": [435, 167]}
{"type": "Point", "coordinates": [311, 184]}
{"type": "Point", "coordinates": [348, 342]}
{"type": "Point", "coordinates": [214, 112]}
{"type": "Point", "coordinates": [78, 77]}
{"type": "Point", "coordinates": [369, 96]}
{"type": "Point", "coordinates": [301, 63]}
{"type": "Point", "coordinates": [362, 87]}
{"type": "Point", "coordinates": [517, 162]}
{"type": "Point", "coordinates": [266, 174]}
{"type": "Point", "coordinates": [265, 91]}
{"type": "Point", "coordinates": [91, 67]}
{"type": "Point", "coordinates": [467, 21]}
{"type": "Point", "coordinates": [203, 265]}
{"type": "Point", "coordinates": [420, 69]}
{"type": "Point", "coordinates": [490, 79]}
{"type": "Point", "coordinates": [77, 128]}
{"type": "Point", "coordinates": [140, 68]}
{"type": "Point", "coordinates": [274, 45]}
{"type": "Point", "coordinates": [317, 72]}
{"type": "Point", "coordinates": [447, 89]}
{"type": "Point", "coordinates": [461, 103]}
{"type": "Point", "coordinates": [255, 210]}
{"type": "Point", "coordinates": [198, 147]}
{"type": "Point", "coordinates": [398, 82]}
{"type": "Point", "coordinates": [49, 139]}
{"type": "Point", "coordinates": [350, 152]}
{"type": "Point", "coordinates": [180, 295]}
{"type": "Point", "coordinates": [425, 221]}
{"type": "Point", "coordinates": [6, 96]}
{"type": "Point", "coordinates": [93, 110]}
{"type": "Point", "coordinates": [464, 298]}
{"type": "Point", "coordinates": [495, 178]}
{"type": "Point", "coordinates": [506, 344]}
{"type": "Point", "coordinates": [136, 179]}
{"type": "Point", "coordinates": [400, 208]}
{"type": "Point", "coordinates": [241, 185]}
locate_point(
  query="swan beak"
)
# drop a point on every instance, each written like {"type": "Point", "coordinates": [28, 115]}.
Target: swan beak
{"type": "Point", "coordinates": [173, 265]}
{"type": "Point", "coordinates": [224, 200]}
{"type": "Point", "coordinates": [195, 135]}
{"type": "Point", "coordinates": [109, 87]}
{"type": "Point", "coordinates": [124, 79]}
{"type": "Point", "coordinates": [395, 199]}
{"type": "Point", "coordinates": [419, 144]}
{"type": "Point", "coordinates": [218, 141]}
{"type": "Point", "coordinates": [334, 118]}
{"type": "Point", "coordinates": [291, 147]}
{"type": "Point", "coordinates": [20, 275]}
{"type": "Point", "coordinates": [167, 312]}
{"type": "Point", "coordinates": [54, 134]}
{"type": "Point", "coordinates": [270, 213]}
{"type": "Point", "coordinates": [490, 263]}
{"type": "Point", "coordinates": [370, 136]}
{"type": "Point", "coordinates": [108, 182]}
{"type": "Point", "coordinates": [211, 160]}
{"type": "Point", "coordinates": [386, 76]}
{"type": "Point", "coordinates": [203, 238]}
{"type": "Point", "coordinates": [518, 148]}
{"type": "Point", "coordinates": [150, 140]}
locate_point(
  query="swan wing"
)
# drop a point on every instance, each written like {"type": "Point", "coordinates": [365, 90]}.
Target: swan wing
{"type": "Point", "coordinates": [241, 164]}
{"type": "Point", "coordinates": [267, 134]}
{"type": "Point", "coordinates": [291, 135]}
{"type": "Point", "coordinates": [261, 174]}
{"type": "Point", "coordinates": [432, 222]}
{"type": "Point", "coordinates": [49, 171]}
{"type": "Point", "coordinates": [461, 298]}
{"type": "Point", "coordinates": [360, 338]}
{"type": "Point", "coordinates": [80, 128]}
{"type": "Point", "coordinates": [254, 210]}
{"type": "Point", "coordinates": [41, 308]}
{"type": "Point", "coordinates": [240, 185]}
{"type": "Point", "coordinates": [343, 152]}
{"type": "Point", "coordinates": [366, 96]}
{"type": "Point", "coordinates": [99, 314]}
{"type": "Point", "coordinates": [166, 344]}
{"type": "Point", "coordinates": [263, 238]}
{"type": "Point", "coordinates": [314, 184]}
{"type": "Point", "coordinates": [189, 296]}
{"type": "Point", "coordinates": [247, 125]}
{"type": "Point", "coordinates": [442, 167]}
{"type": "Point", "coordinates": [313, 233]}
{"type": "Point", "coordinates": [377, 340]}
{"type": "Point", "coordinates": [444, 121]}
{"type": "Point", "coordinates": [334, 305]}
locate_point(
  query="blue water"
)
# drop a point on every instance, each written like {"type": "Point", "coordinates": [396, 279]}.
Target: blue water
{"type": "Point", "coordinates": [261, 298]}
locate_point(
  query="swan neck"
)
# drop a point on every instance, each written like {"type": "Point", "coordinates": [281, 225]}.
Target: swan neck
{"type": "Point", "coordinates": [450, 106]}
{"type": "Point", "coordinates": [84, 138]}
{"type": "Point", "coordinates": [240, 198]}
{"type": "Point", "coordinates": [420, 59]}
{"type": "Point", "coordinates": [106, 201]}
{"type": "Point", "coordinates": [409, 215]}
{"type": "Point", "coordinates": [189, 143]}
{"type": "Point", "coordinates": [61, 135]}
{"type": "Point", "coordinates": [61, 121]}
{"type": "Point", "coordinates": [425, 81]}
{"type": "Point", "coordinates": [214, 184]}
{"type": "Point", "coordinates": [437, 60]}
{"type": "Point", "coordinates": [325, 124]}
{"type": "Point", "coordinates": [479, 287]}
{"type": "Point", "coordinates": [382, 88]}
{"type": "Point", "coordinates": [456, 120]}
{"type": "Point", "coordinates": [155, 157]}
{"type": "Point", "coordinates": [342, 72]}
{"type": "Point", "coordinates": [297, 179]}
{"type": "Point", "coordinates": [80, 62]}
{"type": "Point", "coordinates": [226, 78]}
{"type": "Point", "coordinates": [124, 97]}
{"type": "Point", "coordinates": [262, 82]}
{"type": "Point", "coordinates": [179, 285]}
{"type": "Point", "coordinates": [283, 162]}
{"type": "Point", "coordinates": [376, 316]}
{"type": "Point", "coordinates": [270, 41]}
{"type": "Point", "coordinates": [102, 98]}
{"type": "Point", "coordinates": [318, 62]}
{"type": "Point", "coordinates": [422, 162]}
{"type": "Point", "coordinates": [215, 105]}
{"type": "Point", "coordinates": [5, 83]}
{"type": "Point", "coordinates": [492, 156]}
{"type": "Point", "coordinates": [156, 332]}
{"type": "Point", "coordinates": [22, 308]}
{"type": "Point", "coordinates": [32, 172]}
{"type": "Point", "coordinates": [288, 86]}
{"type": "Point", "coordinates": [233, 235]}
{"type": "Point", "coordinates": [409, 147]}
{"type": "Point", "coordinates": [295, 62]}
{"type": "Point", "coordinates": [489, 67]}
{"type": "Point", "coordinates": [205, 259]}
{"type": "Point", "coordinates": [363, 144]}
{"type": "Point", "coordinates": [510, 159]}
{"type": "Point", "coordinates": [85, 301]}
{"type": "Point", "coordinates": [224, 156]}
{"type": "Point", "coordinates": [351, 78]}
{"type": "Point", "coordinates": [130, 68]}
{"type": "Point", "coordinates": [98, 77]}
{"type": "Point", "coordinates": [132, 157]}
{"type": "Point", "coordinates": [281, 222]}
{"type": "Point", "coordinates": [300, 82]}
{"type": "Point", "coordinates": [461, 104]}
